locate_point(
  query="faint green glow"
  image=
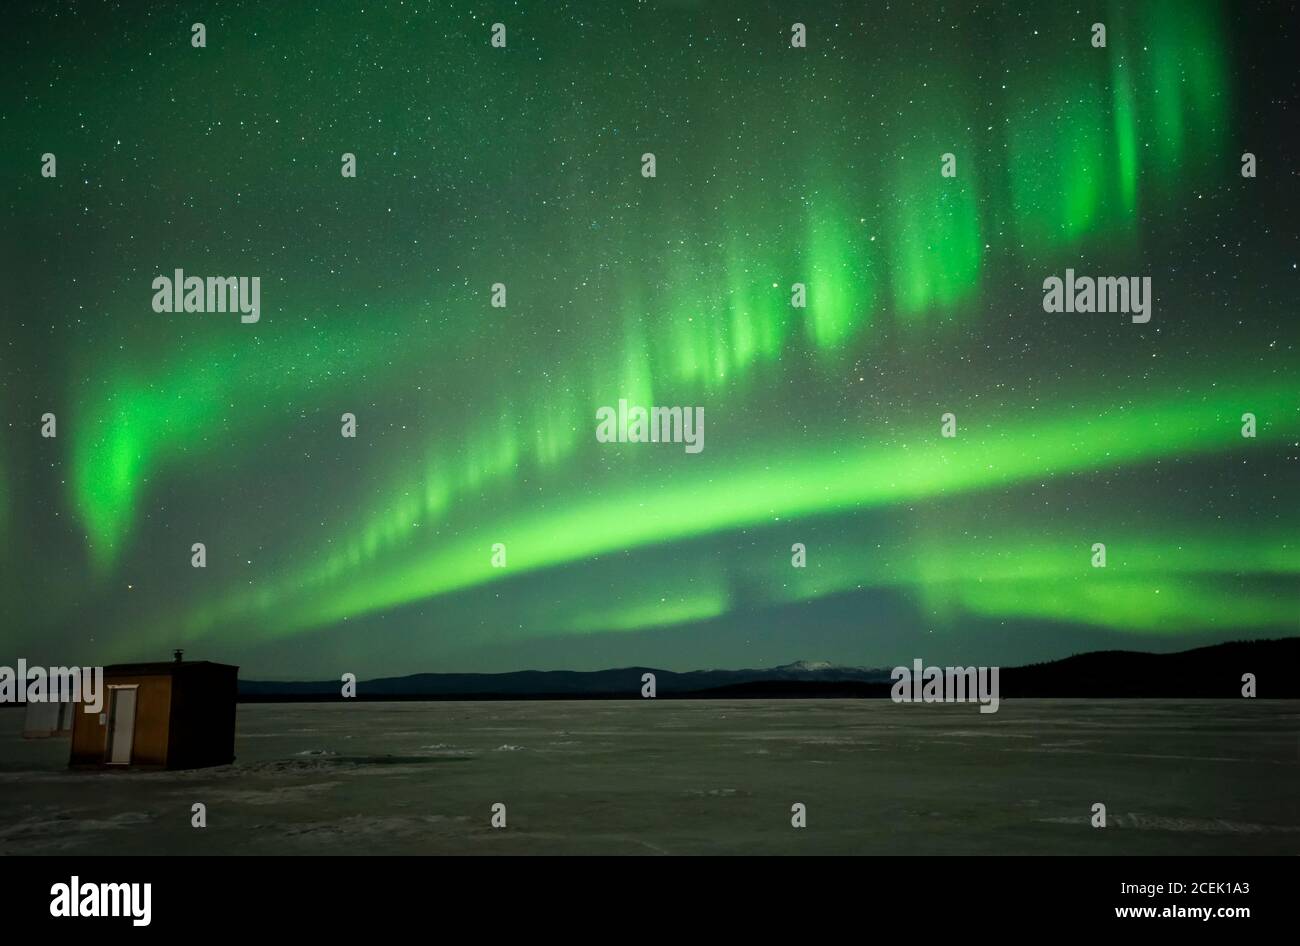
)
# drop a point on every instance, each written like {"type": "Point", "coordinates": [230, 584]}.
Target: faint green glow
{"type": "Point", "coordinates": [1124, 118]}
{"type": "Point", "coordinates": [1167, 604]}
{"type": "Point", "coordinates": [841, 277]}
{"type": "Point", "coordinates": [649, 611]}
{"type": "Point", "coordinates": [760, 310]}
{"type": "Point", "coordinates": [1179, 582]}
{"type": "Point", "coordinates": [935, 238]}
{"type": "Point", "coordinates": [1062, 184]}
{"type": "Point", "coordinates": [556, 433]}
{"type": "Point", "coordinates": [4, 498]}
{"type": "Point", "coordinates": [1186, 83]}
{"type": "Point", "coordinates": [637, 380]}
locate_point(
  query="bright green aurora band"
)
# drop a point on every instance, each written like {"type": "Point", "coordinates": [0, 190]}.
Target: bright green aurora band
{"type": "Point", "coordinates": [476, 425]}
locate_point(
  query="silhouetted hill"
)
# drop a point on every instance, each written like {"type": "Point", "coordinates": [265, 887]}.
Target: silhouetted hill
{"type": "Point", "coordinates": [552, 684]}
{"type": "Point", "coordinates": [1207, 672]}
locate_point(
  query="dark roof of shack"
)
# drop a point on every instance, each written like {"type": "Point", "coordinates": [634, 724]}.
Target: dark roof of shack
{"type": "Point", "coordinates": [166, 668]}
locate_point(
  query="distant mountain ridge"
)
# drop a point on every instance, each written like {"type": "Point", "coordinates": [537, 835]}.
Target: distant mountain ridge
{"type": "Point", "coordinates": [614, 683]}
{"type": "Point", "coordinates": [1213, 672]}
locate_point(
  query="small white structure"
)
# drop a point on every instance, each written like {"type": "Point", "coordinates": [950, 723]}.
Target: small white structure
{"type": "Point", "coordinates": [48, 719]}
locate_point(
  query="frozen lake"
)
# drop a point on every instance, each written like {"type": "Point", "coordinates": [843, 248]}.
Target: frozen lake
{"type": "Point", "coordinates": [689, 777]}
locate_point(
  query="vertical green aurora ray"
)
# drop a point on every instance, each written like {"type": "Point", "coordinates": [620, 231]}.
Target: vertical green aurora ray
{"type": "Point", "coordinates": [1063, 186]}
{"type": "Point", "coordinates": [1075, 142]}
{"type": "Point", "coordinates": [1125, 127]}
{"type": "Point", "coordinates": [936, 241]}
{"type": "Point", "coordinates": [841, 276]}
{"type": "Point", "coordinates": [1185, 89]}
{"type": "Point", "coordinates": [932, 228]}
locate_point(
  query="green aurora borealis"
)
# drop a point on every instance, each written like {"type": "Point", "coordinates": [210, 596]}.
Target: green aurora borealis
{"type": "Point", "coordinates": [476, 424]}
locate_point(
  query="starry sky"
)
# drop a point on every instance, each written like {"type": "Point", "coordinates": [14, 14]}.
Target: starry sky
{"type": "Point", "coordinates": [476, 425]}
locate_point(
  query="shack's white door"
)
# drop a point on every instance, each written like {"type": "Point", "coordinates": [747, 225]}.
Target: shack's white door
{"type": "Point", "coordinates": [121, 724]}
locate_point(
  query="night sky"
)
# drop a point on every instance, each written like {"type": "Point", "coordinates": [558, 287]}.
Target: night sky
{"type": "Point", "coordinates": [476, 425]}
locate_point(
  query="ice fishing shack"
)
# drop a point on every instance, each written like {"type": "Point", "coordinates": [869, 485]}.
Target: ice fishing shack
{"type": "Point", "coordinates": [178, 715]}
{"type": "Point", "coordinates": [47, 720]}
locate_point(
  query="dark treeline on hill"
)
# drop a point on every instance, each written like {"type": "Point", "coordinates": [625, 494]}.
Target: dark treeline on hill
{"type": "Point", "coordinates": [1205, 673]}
